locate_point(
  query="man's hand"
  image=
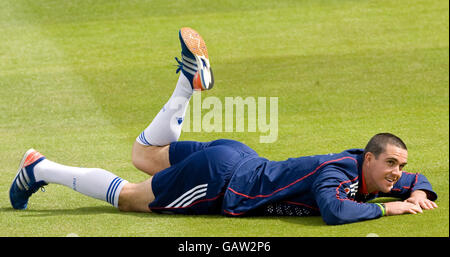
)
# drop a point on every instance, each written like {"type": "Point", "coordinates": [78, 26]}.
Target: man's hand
{"type": "Point", "coordinates": [413, 204]}
{"type": "Point", "coordinates": [399, 207]}
{"type": "Point", "coordinates": [419, 197]}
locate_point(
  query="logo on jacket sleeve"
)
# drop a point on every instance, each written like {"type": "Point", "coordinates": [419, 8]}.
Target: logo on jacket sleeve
{"type": "Point", "coordinates": [351, 190]}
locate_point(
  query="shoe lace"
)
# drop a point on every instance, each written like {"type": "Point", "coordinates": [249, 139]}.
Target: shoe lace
{"type": "Point", "coordinates": [180, 65]}
{"type": "Point", "coordinates": [34, 189]}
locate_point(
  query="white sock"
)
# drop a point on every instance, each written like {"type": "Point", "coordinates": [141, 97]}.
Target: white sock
{"type": "Point", "coordinates": [97, 183]}
{"type": "Point", "coordinates": [165, 128]}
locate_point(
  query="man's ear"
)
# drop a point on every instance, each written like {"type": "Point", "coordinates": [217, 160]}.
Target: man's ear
{"type": "Point", "coordinates": [368, 157]}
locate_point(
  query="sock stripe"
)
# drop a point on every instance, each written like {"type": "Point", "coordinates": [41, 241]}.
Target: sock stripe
{"type": "Point", "coordinates": [112, 190]}
{"type": "Point", "coordinates": [109, 189]}
{"type": "Point", "coordinates": [143, 139]}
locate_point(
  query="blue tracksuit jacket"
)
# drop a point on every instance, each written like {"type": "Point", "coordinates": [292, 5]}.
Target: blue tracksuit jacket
{"type": "Point", "coordinates": [327, 185]}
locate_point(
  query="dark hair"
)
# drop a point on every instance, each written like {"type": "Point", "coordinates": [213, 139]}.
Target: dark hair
{"type": "Point", "coordinates": [377, 144]}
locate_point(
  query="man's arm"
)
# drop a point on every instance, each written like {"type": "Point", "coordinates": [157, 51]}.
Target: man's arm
{"type": "Point", "coordinates": [413, 188]}
{"type": "Point", "coordinates": [421, 198]}
{"type": "Point", "coordinates": [335, 207]}
{"type": "Point", "coordinates": [414, 204]}
{"type": "Point", "coordinates": [408, 184]}
{"type": "Point", "coordinates": [399, 207]}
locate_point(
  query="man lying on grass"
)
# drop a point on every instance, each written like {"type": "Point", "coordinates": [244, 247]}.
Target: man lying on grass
{"type": "Point", "coordinates": [227, 177]}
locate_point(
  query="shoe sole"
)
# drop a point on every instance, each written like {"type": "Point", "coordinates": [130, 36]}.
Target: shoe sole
{"type": "Point", "coordinates": [194, 42]}
{"type": "Point", "coordinates": [203, 79]}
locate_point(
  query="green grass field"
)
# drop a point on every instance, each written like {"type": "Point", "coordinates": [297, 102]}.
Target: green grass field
{"type": "Point", "coordinates": [80, 80]}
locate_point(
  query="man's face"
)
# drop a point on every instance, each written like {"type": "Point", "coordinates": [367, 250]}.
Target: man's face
{"type": "Point", "coordinates": [383, 172]}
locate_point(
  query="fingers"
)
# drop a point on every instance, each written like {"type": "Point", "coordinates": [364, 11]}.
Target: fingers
{"type": "Point", "coordinates": [398, 207]}
{"type": "Point", "coordinates": [433, 204]}
{"type": "Point", "coordinates": [415, 208]}
{"type": "Point", "coordinates": [427, 204]}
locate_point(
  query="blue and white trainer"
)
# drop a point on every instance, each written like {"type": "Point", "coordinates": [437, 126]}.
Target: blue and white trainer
{"type": "Point", "coordinates": [24, 183]}
{"type": "Point", "coordinates": [195, 63]}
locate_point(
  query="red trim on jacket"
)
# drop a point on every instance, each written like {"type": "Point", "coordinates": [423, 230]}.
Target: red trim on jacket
{"type": "Point", "coordinates": [293, 183]}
